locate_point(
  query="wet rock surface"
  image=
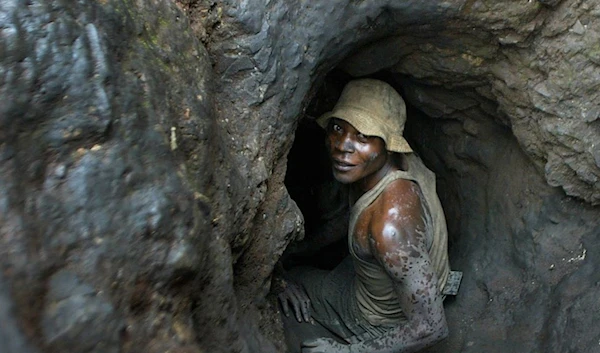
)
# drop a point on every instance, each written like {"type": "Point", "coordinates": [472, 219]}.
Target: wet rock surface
{"type": "Point", "coordinates": [105, 114]}
{"type": "Point", "coordinates": [143, 150]}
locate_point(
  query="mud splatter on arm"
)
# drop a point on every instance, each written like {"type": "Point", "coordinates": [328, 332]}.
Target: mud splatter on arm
{"type": "Point", "coordinates": [398, 243]}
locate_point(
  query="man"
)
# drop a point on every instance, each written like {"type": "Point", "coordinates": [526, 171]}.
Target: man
{"type": "Point", "coordinates": [387, 296]}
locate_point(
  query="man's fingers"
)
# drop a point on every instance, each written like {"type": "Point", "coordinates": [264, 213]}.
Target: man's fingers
{"type": "Point", "coordinates": [302, 305]}
{"type": "Point", "coordinates": [310, 349]}
{"type": "Point", "coordinates": [323, 345]}
{"type": "Point", "coordinates": [284, 304]}
{"type": "Point", "coordinates": [296, 304]}
{"type": "Point", "coordinates": [312, 346]}
{"type": "Point", "coordinates": [295, 297]}
{"type": "Point", "coordinates": [310, 343]}
{"type": "Point", "coordinates": [306, 309]}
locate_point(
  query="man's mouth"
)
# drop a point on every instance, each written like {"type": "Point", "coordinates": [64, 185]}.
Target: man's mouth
{"type": "Point", "coordinates": [342, 166]}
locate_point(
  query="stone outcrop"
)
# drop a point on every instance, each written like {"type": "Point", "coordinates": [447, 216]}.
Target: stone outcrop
{"type": "Point", "coordinates": [105, 225]}
{"type": "Point", "coordinates": [144, 145]}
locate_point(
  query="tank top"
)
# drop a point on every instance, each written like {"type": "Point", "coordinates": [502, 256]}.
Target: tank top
{"type": "Point", "coordinates": [375, 295]}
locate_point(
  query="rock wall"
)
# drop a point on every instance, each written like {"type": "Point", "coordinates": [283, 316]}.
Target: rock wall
{"type": "Point", "coordinates": [521, 244]}
{"type": "Point", "coordinates": [106, 134]}
{"type": "Point", "coordinates": [144, 145]}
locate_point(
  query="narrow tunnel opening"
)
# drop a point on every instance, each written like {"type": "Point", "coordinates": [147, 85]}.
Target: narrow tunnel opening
{"type": "Point", "coordinates": [322, 200]}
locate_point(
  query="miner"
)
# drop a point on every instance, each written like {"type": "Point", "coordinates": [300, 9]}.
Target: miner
{"type": "Point", "coordinates": [386, 297]}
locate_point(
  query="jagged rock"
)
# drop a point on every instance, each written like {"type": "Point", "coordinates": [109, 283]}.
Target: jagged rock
{"type": "Point", "coordinates": [76, 317]}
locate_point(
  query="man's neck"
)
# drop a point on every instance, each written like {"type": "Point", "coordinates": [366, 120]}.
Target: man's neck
{"type": "Point", "coordinates": [362, 186]}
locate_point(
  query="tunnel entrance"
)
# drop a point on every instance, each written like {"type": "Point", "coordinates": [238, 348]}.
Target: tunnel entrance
{"type": "Point", "coordinates": [321, 199]}
{"type": "Point", "coordinates": [482, 117]}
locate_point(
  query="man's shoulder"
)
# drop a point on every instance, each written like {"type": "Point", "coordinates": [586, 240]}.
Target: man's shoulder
{"type": "Point", "coordinates": [403, 193]}
{"type": "Point", "coordinates": [398, 213]}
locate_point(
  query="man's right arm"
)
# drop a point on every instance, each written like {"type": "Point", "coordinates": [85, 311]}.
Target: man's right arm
{"type": "Point", "coordinates": [326, 234]}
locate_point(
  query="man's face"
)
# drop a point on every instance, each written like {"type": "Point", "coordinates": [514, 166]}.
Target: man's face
{"type": "Point", "coordinates": [354, 156]}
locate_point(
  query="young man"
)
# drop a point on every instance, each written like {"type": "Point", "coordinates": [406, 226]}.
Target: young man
{"type": "Point", "coordinates": [387, 296]}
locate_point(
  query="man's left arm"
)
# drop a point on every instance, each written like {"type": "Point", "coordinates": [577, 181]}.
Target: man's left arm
{"type": "Point", "coordinates": [416, 287]}
{"type": "Point", "coordinates": [415, 283]}
{"type": "Point", "coordinates": [398, 244]}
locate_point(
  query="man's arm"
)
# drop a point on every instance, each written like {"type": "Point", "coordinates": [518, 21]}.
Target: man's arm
{"type": "Point", "coordinates": [420, 302]}
{"type": "Point", "coordinates": [398, 243]}
{"type": "Point", "coordinates": [325, 234]}
{"type": "Point", "coordinates": [331, 224]}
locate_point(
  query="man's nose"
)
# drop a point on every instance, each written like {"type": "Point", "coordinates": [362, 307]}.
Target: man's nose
{"type": "Point", "coordinates": [344, 144]}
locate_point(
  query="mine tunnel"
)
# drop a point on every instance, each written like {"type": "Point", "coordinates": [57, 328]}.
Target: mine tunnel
{"type": "Point", "coordinates": [494, 198]}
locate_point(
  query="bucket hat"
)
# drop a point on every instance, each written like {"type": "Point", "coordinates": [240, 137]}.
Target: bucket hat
{"type": "Point", "coordinates": [374, 108]}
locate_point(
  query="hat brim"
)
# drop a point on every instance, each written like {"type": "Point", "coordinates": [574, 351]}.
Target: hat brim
{"type": "Point", "coordinates": [359, 119]}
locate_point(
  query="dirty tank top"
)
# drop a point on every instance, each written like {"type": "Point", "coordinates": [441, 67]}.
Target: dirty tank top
{"type": "Point", "coordinates": [375, 295]}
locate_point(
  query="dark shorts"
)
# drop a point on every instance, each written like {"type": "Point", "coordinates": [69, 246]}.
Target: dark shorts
{"type": "Point", "coordinates": [333, 308]}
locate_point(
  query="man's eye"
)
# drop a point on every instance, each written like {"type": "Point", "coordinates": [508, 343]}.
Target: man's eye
{"type": "Point", "coordinates": [336, 128]}
{"type": "Point", "coordinates": [362, 137]}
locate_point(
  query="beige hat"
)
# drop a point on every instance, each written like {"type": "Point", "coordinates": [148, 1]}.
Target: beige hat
{"type": "Point", "coordinates": [375, 109]}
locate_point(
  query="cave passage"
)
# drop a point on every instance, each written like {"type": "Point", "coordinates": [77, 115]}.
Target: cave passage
{"type": "Point", "coordinates": [321, 199]}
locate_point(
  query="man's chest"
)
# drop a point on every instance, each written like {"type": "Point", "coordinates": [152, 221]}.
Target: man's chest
{"type": "Point", "coordinates": [361, 235]}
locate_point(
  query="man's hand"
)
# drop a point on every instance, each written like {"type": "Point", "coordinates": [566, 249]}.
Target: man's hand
{"type": "Point", "coordinates": [324, 345]}
{"type": "Point", "coordinates": [295, 296]}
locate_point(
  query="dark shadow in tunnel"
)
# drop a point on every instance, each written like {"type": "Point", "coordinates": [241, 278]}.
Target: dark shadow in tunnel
{"type": "Point", "coordinates": [321, 199]}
